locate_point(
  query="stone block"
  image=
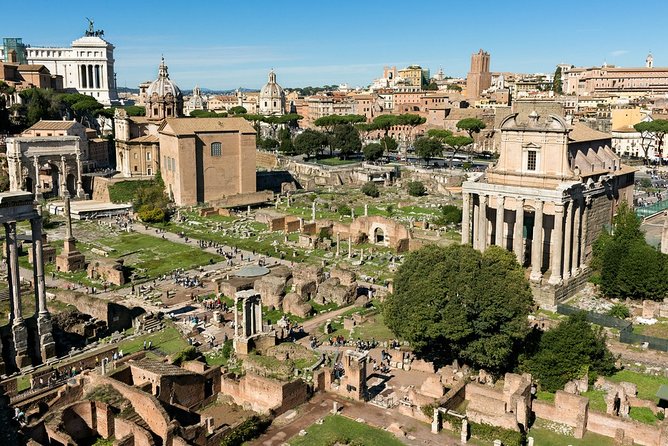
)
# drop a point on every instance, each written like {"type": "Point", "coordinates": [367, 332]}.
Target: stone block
{"type": "Point", "coordinates": [293, 303]}
{"type": "Point", "coordinates": [271, 289]}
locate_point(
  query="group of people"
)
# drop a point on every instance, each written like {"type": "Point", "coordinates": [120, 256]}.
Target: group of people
{"type": "Point", "coordinates": [185, 280]}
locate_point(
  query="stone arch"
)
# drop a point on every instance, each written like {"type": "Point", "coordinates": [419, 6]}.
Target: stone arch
{"type": "Point", "coordinates": [54, 173]}
{"type": "Point", "coordinates": [71, 184]}
{"type": "Point", "coordinates": [29, 184]}
{"type": "Point", "coordinates": [378, 235]}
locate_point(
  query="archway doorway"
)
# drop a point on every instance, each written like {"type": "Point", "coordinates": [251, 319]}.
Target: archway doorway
{"type": "Point", "coordinates": [379, 236]}
{"type": "Point", "coordinates": [30, 185]}
{"type": "Point", "coordinates": [71, 185]}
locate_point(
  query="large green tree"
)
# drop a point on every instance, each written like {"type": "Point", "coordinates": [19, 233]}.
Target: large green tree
{"type": "Point", "coordinates": [556, 82]}
{"type": "Point", "coordinates": [628, 266]}
{"type": "Point", "coordinates": [310, 142]}
{"type": "Point", "coordinates": [346, 139]}
{"type": "Point", "coordinates": [456, 302]}
{"type": "Point", "coordinates": [373, 151]}
{"type": "Point", "coordinates": [471, 126]}
{"type": "Point", "coordinates": [456, 144]}
{"type": "Point", "coordinates": [652, 132]}
{"type": "Point", "coordinates": [427, 148]}
{"type": "Point", "coordinates": [569, 351]}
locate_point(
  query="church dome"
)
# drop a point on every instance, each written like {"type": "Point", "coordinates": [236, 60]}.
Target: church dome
{"type": "Point", "coordinates": [272, 97]}
{"type": "Point", "coordinates": [163, 85]}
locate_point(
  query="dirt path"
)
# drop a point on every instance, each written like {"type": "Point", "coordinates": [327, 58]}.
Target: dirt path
{"type": "Point", "coordinates": [290, 424]}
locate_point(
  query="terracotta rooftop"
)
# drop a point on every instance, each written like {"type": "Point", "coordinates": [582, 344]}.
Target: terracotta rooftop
{"type": "Point", "coordinates": [188, 126]}
{"type": "Point", "coordinates": [581, 132]}
{"type": "Point", "coordinates": [146, 138]}
{"type": "Point", "coordinates": [53, 125]}
{"type": "Point", "coordinates": [160, 368]}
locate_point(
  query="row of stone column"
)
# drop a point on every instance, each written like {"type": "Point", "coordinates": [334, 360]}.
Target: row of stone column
{"type": "Point", "coordinates": [91, 76]}
{"type": "Point", "coordinates": [567, 243]}
{"type": "Point", "coordinates": [19, 331]}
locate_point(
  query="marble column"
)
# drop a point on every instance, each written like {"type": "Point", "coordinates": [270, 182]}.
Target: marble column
{"type": "Point", "coordinates": [568, 238]}
{"type": "Point", "coordinates": [80, 191]}
{"type": "Point", "coordinates": [47, 345]}
{"type": "Point", "coordinates": [577, 235]}
{"type": "Point", "coordinates": [350, 246]}
{"type": "Point", "coordinates": [13, 275]}
{"type": "Point", "coordinates": [583, 234]}
{"type": "Point", "coordinates": [63, 176]}
{"type": "Point", "coordinates": [37, 185]}
{"type": "Point", "coordinates": [475, 232]}
{"type": "Point", "coordinates": [236, 318]}
{"type": "Point", "coordinates": [482, 223]}
{"type": "Point", "coordinates": [338, 244]}
{"type": "Point", "coordinates": [556, 244]}
{"type": "Point", "coordinates": [537, 243]}
{"type": "Point", "coordinates": [518, 236]}
{"type": "Point", "coordinates": [466, 223]}
{"type": "Point", "coordinates": [19, 331]}
{"type": "Point", "coordinates": [38, 266]}
{"type": "Point", "coordinates": [499, 240]}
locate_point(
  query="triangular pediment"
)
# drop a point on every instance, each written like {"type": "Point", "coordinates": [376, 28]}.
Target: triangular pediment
{"type": "Point", "coordinates": [530, 145]}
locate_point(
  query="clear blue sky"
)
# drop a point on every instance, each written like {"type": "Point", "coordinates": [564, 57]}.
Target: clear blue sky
{"type": "Point", "coordinates": [224, 44]}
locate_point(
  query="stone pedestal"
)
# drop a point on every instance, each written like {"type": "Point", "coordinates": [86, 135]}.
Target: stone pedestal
{"type": "Point", "coordinates": [46, 341]}
{"type": "Point", "coordinates": [434, 423]}
{"type": "Point", "coordinates": [20, 335]}
{"type": "Point", "coordinates": [464, 436]}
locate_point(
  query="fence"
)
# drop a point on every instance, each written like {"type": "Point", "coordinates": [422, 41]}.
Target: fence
{"type": "Point", "coordinates": [626, 334]}
{"type": "Point", "coordinates": [648, 211]}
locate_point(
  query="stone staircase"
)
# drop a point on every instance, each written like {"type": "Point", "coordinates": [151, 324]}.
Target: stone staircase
{"type": "Point", "coordinates": [150, 324]}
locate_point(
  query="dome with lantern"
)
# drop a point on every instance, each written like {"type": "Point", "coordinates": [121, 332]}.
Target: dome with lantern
{"type": "Point", "coordinates": [163, 97]}
{"type": "Point", "coordinates": [272, 97]}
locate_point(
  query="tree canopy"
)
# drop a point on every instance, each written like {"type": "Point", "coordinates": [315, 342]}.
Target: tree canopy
{"type": "Point", "coordinates": [346, 139]}
{"type": "Point", "coordinates": [373, 151]}
{"type": "Point", "coordinates": [310, 142]}
{"type": "Point", "coordinates": [471, 125]}
{"type": "Point", "coordinates": [628, 266]}
{"type": "Point", "coordinates": [458, 302]}
{"type": "Point", "coordinates": [427, 148]}
{"type": "Point", "coordinates": [556, 82]}
{"type": "Point", "coordinates": [456, 144]}
{"type": "Point", "coordinates": [568, 352]}
{"type": "Point", "coordinates": [237, 110]}
{"type": "Point", "coordinates": [652, 132]}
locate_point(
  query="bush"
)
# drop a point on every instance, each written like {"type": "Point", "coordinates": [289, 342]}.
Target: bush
{"type": "Point", "coordinates": [371, 190]}
{"type": "Point", "coordinates": [619, 310]}
{"type": "Point", "coordinates": [246, 431]}
{"type": "Point", "coordinates": [343, 209]}
{"type": "Point", "coordinates": [416, 189]}
{"type": "Point", "coordinates": [188, 354]}
{"type": "Point", "coordinates": [450, 214]}
{"type": "Point", "coordinates": [149, 214]}
{"type": "Point", "coordinates": [488, 433]}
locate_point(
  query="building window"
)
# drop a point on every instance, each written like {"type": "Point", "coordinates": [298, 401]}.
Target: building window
{"type": "Point", "coordinates": [216, 149]}
{"type": "Point", "coordinates": [136, 156]}
{"type": "Point", "coordinates": [531, 160]}
{"type": "Point", "coordinates": [148, 156]}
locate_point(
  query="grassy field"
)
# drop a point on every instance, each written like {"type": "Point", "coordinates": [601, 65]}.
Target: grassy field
{"type": "Point", "coordinates": [336, 161]}
{"type": "Point", "coordinates": [340, 430]}
{"type": "Point", "coordinates": [374, 328]}
{"type": "Point", "coordinates": [545, 437]}
{"type": "Point", "coordinates": [167, 341]}
{"type": "Point", "coordinates": [647, 384]}
{"type": "Point", "coordinates": [596, 400]}
{"type": "Point", "coordinates": [659, 330]}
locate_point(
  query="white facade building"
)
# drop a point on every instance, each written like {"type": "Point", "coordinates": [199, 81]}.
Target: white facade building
{"type": "Point", "coordinates": [87, 66]}
{"type": "Point", "coordinates": [272, 97]}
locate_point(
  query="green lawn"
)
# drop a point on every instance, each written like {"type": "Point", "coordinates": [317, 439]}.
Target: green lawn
{"type": "Point", "coordinates": [374, 328]}
{"type": "Point", "coordinates": [596, 400]}
{"type": "Point", "coordinates": [168, 341]}
{"type": "Point", "coordinates": [545, 437]}
{"type": "Point", "coordinates": [337, 429]}
{"type": "Point", "coordinates": [643, 414]}
{"type": "Point", "coordinates": [542, 395]}
{"type": "Point", "coordinates": [647, 384]}
{"type": "Point", "coordinates": [336, 161]}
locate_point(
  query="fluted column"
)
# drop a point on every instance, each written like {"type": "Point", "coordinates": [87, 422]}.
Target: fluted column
{"type": "Point", "coordinates": [568, 236]}
{"type": "Point", "coordinates": [13, 273]}
{"type": "Point", "coordinates": [500, 213]}
{"type": "Point", "coordinates": [80, 191]}
{"type": "Point", "coordinates": [474, 223]}
{"type": "Point", "coordinates": [482, 224]}
{"type": "Point", "coordinates": [38, 187]}
{"type": "Point", "coordinates": [518, 236]}
{"type": "Point", "coordinates": [38, 265]}
{"type": "Point", "coordinates": [577, 235]}
{"type": "Point", "coordinates": [583, 234]}
{"type": "Point", "coordinates": [466, 223]}
{"type": "Point", "coordinates": [63, 176]}
{"type": "Point", "coordinates": [537, 243]}
{"type": "Point", "coordinates": [556, 244]}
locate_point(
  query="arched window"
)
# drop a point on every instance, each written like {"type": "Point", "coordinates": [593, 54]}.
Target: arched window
{"type": "Point", "coordinates": [216, 149]}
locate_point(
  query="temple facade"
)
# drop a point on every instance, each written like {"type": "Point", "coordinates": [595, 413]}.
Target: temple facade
{"type": "Point", "coordinates": [551, 193]}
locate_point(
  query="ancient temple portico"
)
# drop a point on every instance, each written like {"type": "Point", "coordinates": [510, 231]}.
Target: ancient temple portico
{"type": "Point", "coordinates": [16, 207]}
{"type": "Point", "coordinates": [547, 199]}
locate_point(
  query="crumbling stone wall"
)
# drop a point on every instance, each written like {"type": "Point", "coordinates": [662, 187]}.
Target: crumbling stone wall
{"type": "Point", "coordinates": [265, 395]}
{"type": "Point", "coordinates": [568, 409]}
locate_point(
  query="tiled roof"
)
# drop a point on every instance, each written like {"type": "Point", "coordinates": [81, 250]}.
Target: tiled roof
{"type": "Point", "coordinates": [160, 368]}
{"type": "Point", "coordinates": [581, 132]}
{"type": "Point", "coordinates": [53, 125]}
{"type": "Point", "coordinates": [188, 126]}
